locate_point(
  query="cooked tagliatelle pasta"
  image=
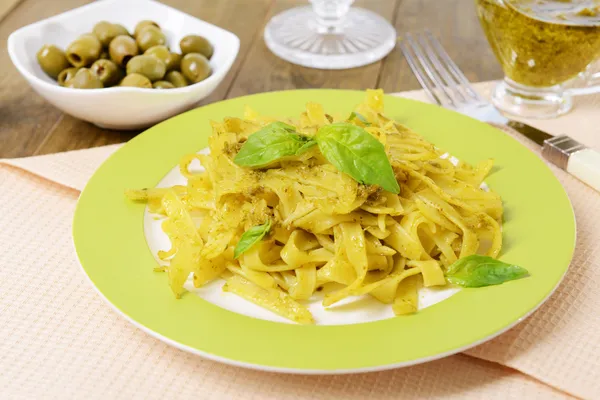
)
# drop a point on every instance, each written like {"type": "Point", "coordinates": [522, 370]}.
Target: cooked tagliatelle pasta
{"type": "Point", "coordinates": [303, 207]}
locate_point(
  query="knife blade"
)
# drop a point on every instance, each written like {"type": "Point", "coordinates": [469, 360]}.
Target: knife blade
{"type": "Point", "coordinates": [531, 132]}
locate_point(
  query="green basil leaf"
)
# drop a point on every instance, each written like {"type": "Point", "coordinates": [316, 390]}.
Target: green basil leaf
{"type": "Point", "coordinates": [360, 117]}
{"type": "Point", "coordinates": [273, 142]}
{"type": "Point", "coordinates": [478, 271]}
{"type": "Point", "coordinates": [251, 237]}
{"type": "Point", "coordinates": [305, 147]}
{"type": "Point", "coordinates": [356, 152]}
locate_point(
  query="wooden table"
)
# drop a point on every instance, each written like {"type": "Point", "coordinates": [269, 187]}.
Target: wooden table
{"type": "Point", "coordinates": [31, 126]}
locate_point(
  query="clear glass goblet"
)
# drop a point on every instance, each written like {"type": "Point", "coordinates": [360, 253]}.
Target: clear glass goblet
{"type": "Point", "coordinates": [330, 34]}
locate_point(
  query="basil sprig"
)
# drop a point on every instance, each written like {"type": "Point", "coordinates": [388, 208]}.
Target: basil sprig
{"type": "Point", "coordinates": [350, 148]}
{"type": "Point", "coordinates": [356, 152]}
{"type": "Point", "coordinates": [477, 271]}
{"type": "Point", "coordinates": [273, 142]}
{"type": "Point", "coordinates": [250, 238]}
{"type": "Point", "coordinates": [360, 117]}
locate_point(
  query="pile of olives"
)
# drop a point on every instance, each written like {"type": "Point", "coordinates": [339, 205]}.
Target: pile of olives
{"type": "Point", "coordinates": [110, 56]}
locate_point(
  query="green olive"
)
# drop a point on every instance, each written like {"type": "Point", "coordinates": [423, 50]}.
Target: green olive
{"type": "Point", "coordinates": [163, 85]}
{"type": "Point", "coordinates": [195, 67]}
{"type": "Point", "coordinates": [136, 80]}
{"type": "Point", "coordinates": [171, 60]}
{"type": "Point", "coordinates": [142, 24]}
{"type": "Point", "coordinates": [84, 79]}
{"type": "Point", "coordinates": [106, 31]}
{"type": "Point", "coordinates": [150, 36]}
{"type": "Point", "coordinates": [107, 71]}
{"type": "Point", "coordinates": [174, 62]}
{"type": "Point", "coordinates": [122, 49]}
{"type": "Point", "coordinates": [161, 52]}
{"type": "Point", "coordinates": [104, 55]}
{"type": "Point", "coordinates": [176, 78]}
{"type": "Point", "coordinates": [122, 29]}
{"type": "Point", "coordinates": [149, 66]}
{"type": "Point", "coordinates": [196, 44]}
{"type": "Point", "coordinates": [84, 50]}
{"type": "Point", "coordinates": [66, 75]}
{"type": "Point", "coordinates": [52, 60]}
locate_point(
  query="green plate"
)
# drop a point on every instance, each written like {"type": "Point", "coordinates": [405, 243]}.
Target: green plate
{"type": "Point", "coordinates": [539, 234]}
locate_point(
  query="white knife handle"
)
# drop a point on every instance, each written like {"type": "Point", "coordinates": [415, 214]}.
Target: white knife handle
{"type": "Point", "coordinates": [585, 166]}
{"type": "Point", "coordinates": [575, 158]}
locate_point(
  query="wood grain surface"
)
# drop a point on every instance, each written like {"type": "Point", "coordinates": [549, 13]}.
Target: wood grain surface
{"type": "Point", "coordinates": [31, 126]}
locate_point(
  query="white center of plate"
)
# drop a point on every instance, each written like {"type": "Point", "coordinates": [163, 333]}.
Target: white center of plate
{"type": "Point", "coordinates": [352, 310]}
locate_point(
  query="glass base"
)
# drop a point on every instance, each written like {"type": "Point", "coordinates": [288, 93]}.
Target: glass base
{"type": "Point", "coordinates": [530, 102]}
{"type": "Point", "coordinates": [297, 36]}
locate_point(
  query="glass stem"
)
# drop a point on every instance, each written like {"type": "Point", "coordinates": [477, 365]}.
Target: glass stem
{"type": "Point", "coordinates": [330, 14]}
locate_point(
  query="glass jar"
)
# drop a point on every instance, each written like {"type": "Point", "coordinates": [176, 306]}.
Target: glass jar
{"type": "Point", "coordinates": [548, 50]}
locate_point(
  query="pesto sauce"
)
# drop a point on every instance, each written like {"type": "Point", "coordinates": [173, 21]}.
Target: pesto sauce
{"type": "Point", "coordinates": [542, 43]}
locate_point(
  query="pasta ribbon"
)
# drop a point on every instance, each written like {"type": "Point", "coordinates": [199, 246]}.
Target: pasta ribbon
{"type": "Point", "coordinates": [272, 299]}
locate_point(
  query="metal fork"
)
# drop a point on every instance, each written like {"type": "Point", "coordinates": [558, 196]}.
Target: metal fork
{"type": "Point", "coordinates": [443, 81]}
{"type": "Point", "coordinates": [447, 86]}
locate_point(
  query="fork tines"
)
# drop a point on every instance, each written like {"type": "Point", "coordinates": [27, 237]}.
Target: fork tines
{"type": "Point", "coordinates": [441, 78]}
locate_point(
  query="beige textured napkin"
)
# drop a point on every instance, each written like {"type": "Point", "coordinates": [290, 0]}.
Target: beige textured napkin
{"type": "Point", "coordinates": [59, 340]}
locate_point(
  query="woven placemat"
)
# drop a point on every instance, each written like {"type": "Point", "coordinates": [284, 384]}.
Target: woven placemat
{"type": "Point", "coordinates": [59, 340]}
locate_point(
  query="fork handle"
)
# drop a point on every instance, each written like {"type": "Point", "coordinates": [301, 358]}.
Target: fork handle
{"type": "Point", "coordinates": [578, 160]}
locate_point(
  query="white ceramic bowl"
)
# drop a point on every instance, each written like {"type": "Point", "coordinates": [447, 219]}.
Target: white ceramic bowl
{"type": "Point", "coordinates": [120, 107]}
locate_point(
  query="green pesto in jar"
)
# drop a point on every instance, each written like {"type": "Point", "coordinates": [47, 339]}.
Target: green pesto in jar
{"type": "Point", "coordinates": [542, 43]}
